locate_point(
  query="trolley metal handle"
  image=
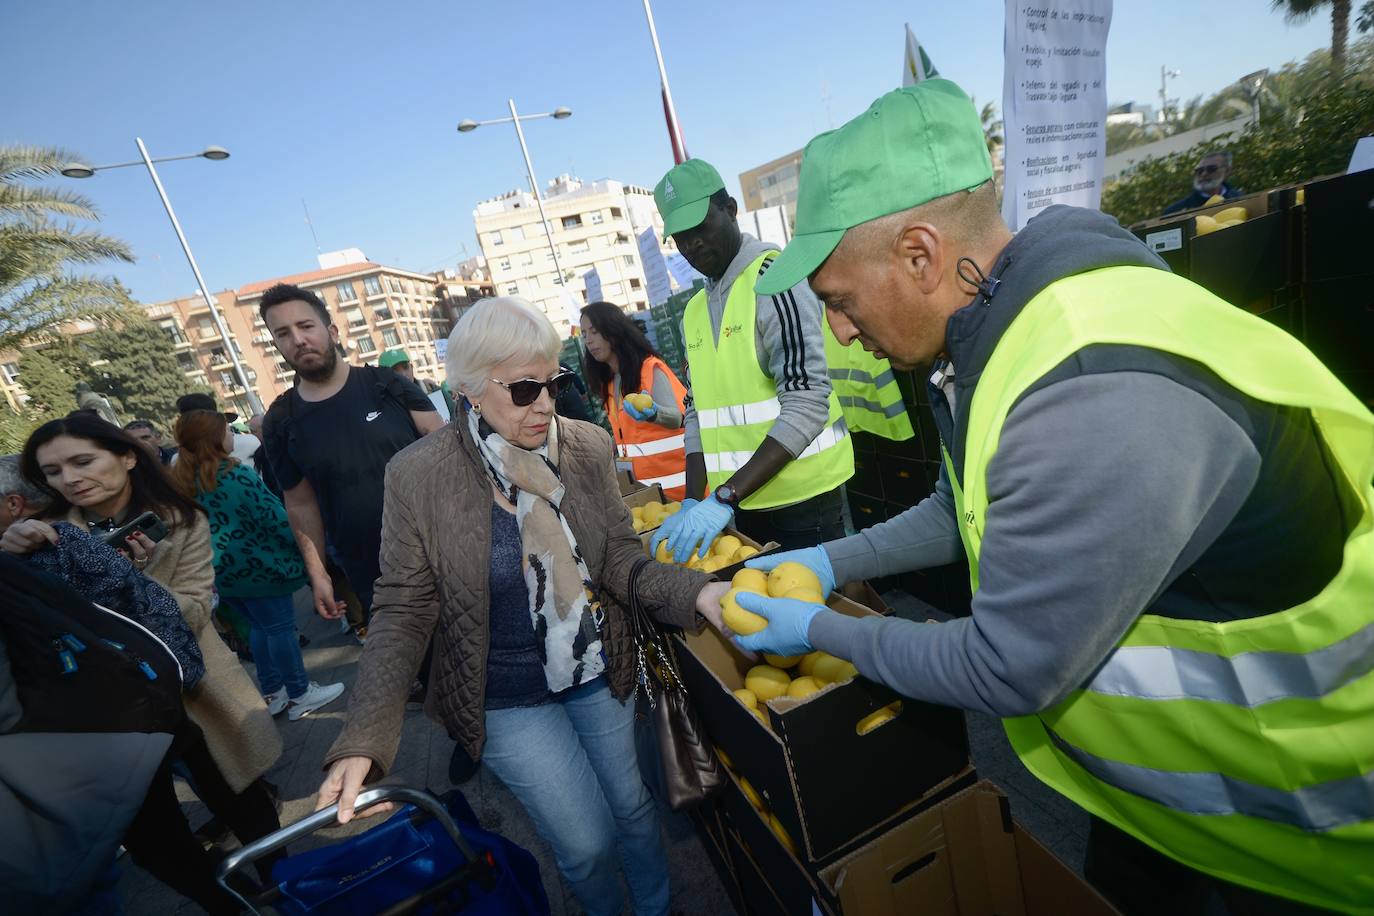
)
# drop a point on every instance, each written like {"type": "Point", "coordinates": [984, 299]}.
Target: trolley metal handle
{"type": "Point", "coordinates": [327, 817]}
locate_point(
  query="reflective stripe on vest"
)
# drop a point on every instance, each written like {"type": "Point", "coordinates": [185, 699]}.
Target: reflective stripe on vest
{"type": "Point", "coordinates": [867, 390]}
{"type": "Point", "coordinates": [1243, 749]}
{"type": "Point", "coordinates": [656, 454]}
{"type": "Point", "coordinates": [736, 403]}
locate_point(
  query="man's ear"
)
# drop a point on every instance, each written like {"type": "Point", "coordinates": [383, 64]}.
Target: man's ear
{"type": "Point", "coordinates": [921, 251]}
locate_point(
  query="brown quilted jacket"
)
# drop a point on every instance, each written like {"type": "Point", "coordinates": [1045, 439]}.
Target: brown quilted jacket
{"type": "Point", "coordinates": [436, 553]}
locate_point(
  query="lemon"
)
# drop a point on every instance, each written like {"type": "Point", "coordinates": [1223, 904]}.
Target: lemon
{"type": "Point", "coordinates": [803, 687]}
{"type": "Point", "coordinates": [1206, 225]}
{"type": "Point", "coordinates": [1227, 224]}
{"type": "Point", "coordinates": [788, 576]}
{"type": "Point", "coordinates": [725, 759]}
{"type": "Point", "coordinates": [726, 545]}
{"type": "Point", "coordinates": [662, 555]}
{"type": "Point", "coordinates": [804, 594]}
{"type": "Point", "coordinates": [1300, 197]}
{"type": "Point", "coordinates": [766, 682]}
{"type": "Point", "coordinates": [752, 794]}
{"type": "Point", "coordinates": [776, 826]}
{"type": "Point", "coordinates": [873, 720]}
{"type": "Point", "coordinates": [640, 401]}
{"type": "Point", "coordinates": [1239, 214]}
{"type": "Point", "coordinates": [1214, 199]}
{"type": "Point", "coordinates": [808, 662]}
{"type": "Point", "coordinates": [745, 553]}
{"type": "Point", "coordinates": [832, 670]}
{"type": "Point", "coordinates": [781, 661]}
{"type": "Point", "coordinates": [759, 714]}
{"type": "Point", "coordinates": [737, 618]}
{"type": "Point", "coordinates": [746, 696]}
{"type": "Point", "coordinates": [637, 513]}
{"type": "Point", "coordinates": [751, 580]}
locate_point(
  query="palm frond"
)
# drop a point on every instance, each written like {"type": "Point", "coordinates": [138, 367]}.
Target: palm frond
{"type": "Point", "coordinates": [29, 163]}
{"type": "Point", "coordinates": [21, 200]}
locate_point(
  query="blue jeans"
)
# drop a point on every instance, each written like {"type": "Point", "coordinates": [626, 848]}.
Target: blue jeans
{"type": "Point", "coordinates": [276, 647]}
{"type": "Point", "coordinates": [571, 762]}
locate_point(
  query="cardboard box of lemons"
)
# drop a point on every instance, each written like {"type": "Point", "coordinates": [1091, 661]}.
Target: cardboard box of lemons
{"type": "Point", "coordinates": [740, 621]}
{"type": "Point", "coordinates": [726, 545]}
{"type": "Point", "coordinates": [832, 670]}
{"type": "Point", "coordinates": [788, 576]}
{"type": "Point", "coordinates": [873, 720]}
{"type": "Point", "coordinates": [767, 682]}
{"type": "Point", "coordinates": [803, 687]}
{"type": "Point", "coordinates": [1206, 225]}
{"type": "Point", "coordinates": [776, 826]}
{"type": "Point", "coordinates": [782, 661]}
{"type": "Point", "coordinates": [752, 794]}
{"type": "Point", "coordinates": [746, 696]}
{"type": "Point", "coordinates": [640, 401]}
{"type": "Point", "coordinates": [750, 580]}
{"type": "Point", "coordinates": [1238, 214]}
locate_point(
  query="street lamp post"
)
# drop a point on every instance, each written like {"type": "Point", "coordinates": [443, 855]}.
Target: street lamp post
{"type": "Point", "coordinates": [466, 126]}
{"type": "Point", "coordinates": [214, 153]}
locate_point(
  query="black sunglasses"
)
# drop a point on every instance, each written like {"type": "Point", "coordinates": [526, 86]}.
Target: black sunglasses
{"type": "Point", "coordinates": [525, 391]}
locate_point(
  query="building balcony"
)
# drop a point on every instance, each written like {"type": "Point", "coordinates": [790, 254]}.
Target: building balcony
{"type": "Point", "coordinates": [358, 327]}
{"type": "Point", "coordinates": [380, 317]}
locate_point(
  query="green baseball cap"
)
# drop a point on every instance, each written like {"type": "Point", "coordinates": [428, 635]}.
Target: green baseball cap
{"type": "Point", "coordinates": [911, 146]}
{"type": "Point", "coordinates": [684, 195]}
{"type": "Point", "coordinates": [393, 358]}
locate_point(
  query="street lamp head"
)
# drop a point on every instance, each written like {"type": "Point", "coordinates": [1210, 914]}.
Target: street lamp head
{"type": "Point", "coordinates": [215, 152]}
{"type": "Point", "coordinates": [560, 112]}
{"type": "Point", "coordinates": [77, 170]}
{"type": "Point", "coordinates": [466, 125]}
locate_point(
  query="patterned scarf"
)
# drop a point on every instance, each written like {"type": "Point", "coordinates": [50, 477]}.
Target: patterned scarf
{"type": "Point", "coordinates": [563, 607]}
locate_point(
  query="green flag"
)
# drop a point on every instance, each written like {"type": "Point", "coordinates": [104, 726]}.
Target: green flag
{"type": "Point", "coordinates": [917, 66]}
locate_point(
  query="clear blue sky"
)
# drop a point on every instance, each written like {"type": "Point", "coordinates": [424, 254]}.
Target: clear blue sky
{"type": "Point", "coordinates": [352, 105]}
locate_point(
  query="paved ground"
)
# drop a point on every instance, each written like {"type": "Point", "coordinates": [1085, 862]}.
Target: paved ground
{"type": "Point", "coordinates": [423, 761]}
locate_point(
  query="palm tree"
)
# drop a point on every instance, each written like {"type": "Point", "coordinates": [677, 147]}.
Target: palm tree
{"type": "Point", "coordinates": [992, 126]}
{"type": "Point", "coordinates": [1300, 10]}
{"type": "Point", "coordinates": [38, 243]}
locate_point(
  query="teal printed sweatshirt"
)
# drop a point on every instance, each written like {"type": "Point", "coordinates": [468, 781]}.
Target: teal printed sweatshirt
{"type": "Point", "coordinates": [255, 553]}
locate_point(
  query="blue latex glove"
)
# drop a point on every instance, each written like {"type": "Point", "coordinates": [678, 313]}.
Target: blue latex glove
{"type": "Point", "coordinates": [813, 558]}
{"type": "Point", "coordinates": [643, 416]}
{"type": "Point", "coordinates": [669, 525]}
{"type": "Point", "coordinates": [788, 622]}
{"type": "Point", "coordinates": [700, 524]}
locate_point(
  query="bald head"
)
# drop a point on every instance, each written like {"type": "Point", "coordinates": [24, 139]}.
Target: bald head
{"type": "Point", "coordinates": [893, 282]}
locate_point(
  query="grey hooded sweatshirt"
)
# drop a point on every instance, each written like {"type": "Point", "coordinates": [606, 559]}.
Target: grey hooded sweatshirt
{"type": "Point", "coordinates": [789, 343]}
{"type": "Point", "coordinates": [1125, 481]}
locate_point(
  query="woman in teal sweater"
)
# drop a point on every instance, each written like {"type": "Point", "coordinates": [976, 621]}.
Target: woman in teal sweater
{"type": "Point", "coordinates": [257, 565]}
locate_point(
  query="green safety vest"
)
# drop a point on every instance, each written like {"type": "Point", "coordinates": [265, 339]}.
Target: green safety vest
{"type": "Point", "coordinates": [736, 403]}
{"type": "Point", "coordinates": [867, 390]}
{"type": "Point", "coordinates": [1242, 749]}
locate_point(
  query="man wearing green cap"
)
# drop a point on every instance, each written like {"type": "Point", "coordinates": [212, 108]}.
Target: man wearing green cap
{"type": "Point", "coordinates": [1166, 508]}
{"type": "Point", "coordinates": [762, 425]}
{"type": "Point", "coordinates": [398, 361]}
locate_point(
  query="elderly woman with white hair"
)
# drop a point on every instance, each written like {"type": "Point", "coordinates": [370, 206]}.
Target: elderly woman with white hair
{"type": "Point", "coordinates": [498, 534]}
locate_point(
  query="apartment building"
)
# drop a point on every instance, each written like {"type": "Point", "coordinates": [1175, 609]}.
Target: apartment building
{"type": "Point", "coordinates": [594, 225]}
{"type": "Point", "coordinates": [773, 184]}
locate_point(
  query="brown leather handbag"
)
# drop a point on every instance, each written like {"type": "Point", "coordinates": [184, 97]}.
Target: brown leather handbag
{"type": "Point", "coordinates": [691, 770]}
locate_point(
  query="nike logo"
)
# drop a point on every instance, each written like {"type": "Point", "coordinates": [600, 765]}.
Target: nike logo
{"type": "Point", "coordinates": [372, 416]}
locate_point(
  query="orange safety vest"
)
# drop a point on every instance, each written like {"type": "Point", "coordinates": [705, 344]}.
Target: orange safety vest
{"type": "Point", "coordinates": [657, 454]}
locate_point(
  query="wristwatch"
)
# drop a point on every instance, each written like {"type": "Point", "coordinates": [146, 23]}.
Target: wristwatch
{"type": "Point", "coordinates": [727, 494]}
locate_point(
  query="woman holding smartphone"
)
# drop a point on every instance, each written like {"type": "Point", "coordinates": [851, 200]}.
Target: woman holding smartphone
{"type": "Point", "coordinates": [99, 479]}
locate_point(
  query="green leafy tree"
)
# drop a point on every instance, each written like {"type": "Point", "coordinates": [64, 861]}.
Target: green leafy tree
{"type": "Point", "coordinates": [135, 366]}
{"type": "Point", "coordinates": [39, 245]}
{"type": "Point", "coordinates": [1316, 139]}
{"type": "Point", "coordinates": [49, 376]}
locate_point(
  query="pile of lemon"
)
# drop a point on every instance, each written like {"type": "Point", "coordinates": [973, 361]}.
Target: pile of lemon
{"type": "Point", "coordinates": [651, 515]}
{"type": "Point", "coordinates": [726, 550]}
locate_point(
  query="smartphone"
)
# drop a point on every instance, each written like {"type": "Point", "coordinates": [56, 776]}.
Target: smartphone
{"type": "Point", "coordinates": [148, 523]}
